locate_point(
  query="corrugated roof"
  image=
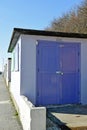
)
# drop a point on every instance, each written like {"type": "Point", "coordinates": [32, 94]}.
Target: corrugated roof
{"type": "Point", "coordinates": [18, 31]}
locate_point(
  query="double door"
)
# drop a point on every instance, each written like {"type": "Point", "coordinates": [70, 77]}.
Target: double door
{"type": "Point", "coordinates": [58, 73]}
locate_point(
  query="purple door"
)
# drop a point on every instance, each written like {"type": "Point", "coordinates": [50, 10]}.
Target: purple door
{"type": "Point", "coordinates": [47, 79]}
{"type": "Point", "coordinates": [57, 73]}
{"type": "Point", "coordinates": [70, 68]}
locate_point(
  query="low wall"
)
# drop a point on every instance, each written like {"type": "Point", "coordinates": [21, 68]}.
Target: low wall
{"type": "Point", "coordinates": [31, 117]}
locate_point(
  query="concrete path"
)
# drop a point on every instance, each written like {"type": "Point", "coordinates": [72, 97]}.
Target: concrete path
{"type": "Point", "coordinates": [8, 117]}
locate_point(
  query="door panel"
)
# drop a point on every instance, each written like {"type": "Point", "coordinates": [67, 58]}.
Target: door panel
{"type": "Point", "coordinates": [70, 78]}
{"type": "Point", "coordinates": [48, 89]}
{"type": "Point", "coordinates": [48, 64]}
{"type": "Point", "coordinates": [69, 88]}
{"type": "Point", "coordinates": [69, 58]}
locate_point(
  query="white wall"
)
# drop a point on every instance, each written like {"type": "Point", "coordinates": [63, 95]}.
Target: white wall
{"type": "Point", "coordinates": [32, 118]}
{"type": "Point", "coordinates": [15, 85]}
{"type": "Point", "coordinates": [15, 77]}
{"type": "Point", "coordinates": [84, 73]}
{"type": "Point", "coordinates": [28, 68]}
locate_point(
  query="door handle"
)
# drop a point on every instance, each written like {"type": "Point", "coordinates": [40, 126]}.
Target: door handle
{"type": "Point", "coordinates": [59, 72]}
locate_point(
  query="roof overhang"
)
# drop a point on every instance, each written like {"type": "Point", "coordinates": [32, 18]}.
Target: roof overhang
{"type": "Point", "coordinates": [17, 32]}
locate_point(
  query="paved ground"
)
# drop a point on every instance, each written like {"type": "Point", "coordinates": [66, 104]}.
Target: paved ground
{"type": "Point", "coordinates": [69, 117]}
{"type": "Point", "coordinates": [8, 117]}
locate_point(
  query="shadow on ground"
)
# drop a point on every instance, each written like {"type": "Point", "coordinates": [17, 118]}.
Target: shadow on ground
{"type": "Point", "coordinates": [67, 109]}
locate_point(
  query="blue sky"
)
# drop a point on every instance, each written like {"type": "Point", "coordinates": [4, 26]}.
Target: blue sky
{"type": "Point", "coordinates": [33, 14]}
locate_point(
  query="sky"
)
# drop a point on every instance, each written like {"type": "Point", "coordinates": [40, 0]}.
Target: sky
{"type": "Point", "coordinates": [28, 14]}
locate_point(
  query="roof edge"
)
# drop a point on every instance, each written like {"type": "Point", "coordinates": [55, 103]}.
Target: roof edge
{"type": "Point", "coordinates": [18, 31]}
